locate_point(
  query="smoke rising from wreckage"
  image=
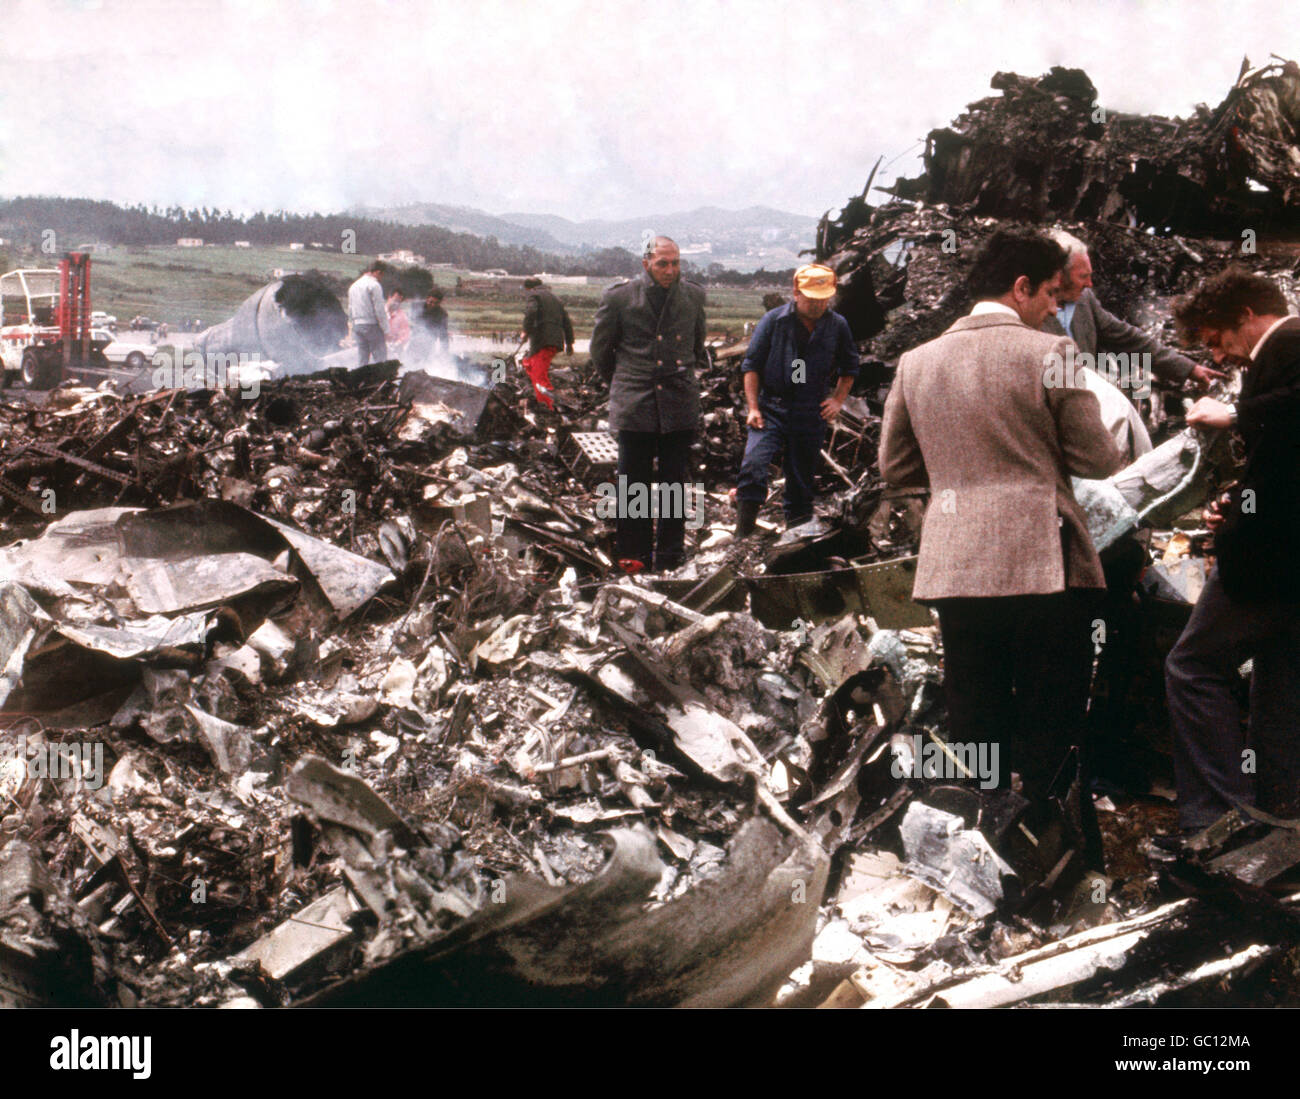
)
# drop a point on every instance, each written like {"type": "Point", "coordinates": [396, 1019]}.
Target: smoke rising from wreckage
{"type": "Point", "coordinates": [357, 665]}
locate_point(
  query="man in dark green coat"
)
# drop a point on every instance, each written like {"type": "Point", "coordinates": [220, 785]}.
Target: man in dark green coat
{"type": "Point", "coordinates": [548, 328]}
{"type": "Point", "coordinates": [648, 343]}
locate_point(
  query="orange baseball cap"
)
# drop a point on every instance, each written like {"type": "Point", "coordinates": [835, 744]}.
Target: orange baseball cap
{"type": "Point", "coordinates": [815, 280]}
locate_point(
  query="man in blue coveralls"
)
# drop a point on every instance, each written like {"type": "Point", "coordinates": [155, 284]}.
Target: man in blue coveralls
{"type": "Point", "coordinates": [798, 351]}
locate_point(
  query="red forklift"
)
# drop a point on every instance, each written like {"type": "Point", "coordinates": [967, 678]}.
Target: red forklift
{"type": "Point", "coordinates": [45, 324]}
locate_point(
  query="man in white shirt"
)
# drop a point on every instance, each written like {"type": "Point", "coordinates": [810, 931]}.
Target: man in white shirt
{"type": "Point", "coordinates": [1250, 605]}
{"type": "Point", "coordinates": [369, 315]}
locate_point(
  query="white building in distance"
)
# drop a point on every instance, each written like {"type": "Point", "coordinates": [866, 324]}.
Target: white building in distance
{"type": "Point", "coordinates": [403, 255]}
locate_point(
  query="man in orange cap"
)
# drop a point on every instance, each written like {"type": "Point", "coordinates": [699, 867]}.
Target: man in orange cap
{"type": "Point", "coordinates": [798, 351]}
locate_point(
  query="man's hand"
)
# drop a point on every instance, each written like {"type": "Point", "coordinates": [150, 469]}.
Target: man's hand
{"type": "Point", "coordinates": [754, 419]}
{"type": "Point", "coordinates": [1214, 516]}
{"type": "Point", "coordinates": [831, 407]}
{"type": "Point", "coordinates": [1207, 412]}
{"type": "Point", "coordinates": [1202, 376]}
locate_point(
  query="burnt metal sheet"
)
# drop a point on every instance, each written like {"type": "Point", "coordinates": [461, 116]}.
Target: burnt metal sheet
{"type": "Point", "coordinates": [78, 548]}
{"type": "Point", "coordinates": [882, 589]}
{"type": "Point", "coordinates": [168, 587]}
{"type": "Point", "coordinates": [730, 941]}
{"type": "Point", "coordinates": [1260, 862]}
{"type": "Point", "coordinates": [337, 797]}
{"type": "Point", "coordinates": [418, 387]}
{"type": "Point", "coordinates": [720, 590]}
{"type": "Point", "coordinates": [348, 580]}
{"type": "Point", "coordinates": [835, 654]}
{"type": "Point", "coordinates": [20, 621]}
{"type": "Point", "coordinates": [142, 637]}
{"type": "Point", "coordinates": [707, 739]}
{"type": "Point", "coordinates": [956, 860]}
{"type": "Point", "coordinates": [184, 534]}
{"type": "Point", "coordinates": [310, 935]}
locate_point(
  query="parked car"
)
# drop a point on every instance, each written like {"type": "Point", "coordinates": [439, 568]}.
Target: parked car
{"type": "Point", "coordinates": [100, 319]}
{"type": "Point", "coordinates": [134, 355]}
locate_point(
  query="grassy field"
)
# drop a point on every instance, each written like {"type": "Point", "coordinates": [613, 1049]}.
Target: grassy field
{"type": "Point", "coordinates": [176, 285]}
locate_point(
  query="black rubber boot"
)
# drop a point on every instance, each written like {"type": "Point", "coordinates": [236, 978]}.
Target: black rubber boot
{"type": "Point", "coordinates": [669, 562]}
{"type": "Point", "coordinates": [746, 517]}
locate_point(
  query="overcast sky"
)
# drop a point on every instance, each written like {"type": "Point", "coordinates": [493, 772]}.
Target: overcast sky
{"type": "Point", "coordinates": [584, 108]}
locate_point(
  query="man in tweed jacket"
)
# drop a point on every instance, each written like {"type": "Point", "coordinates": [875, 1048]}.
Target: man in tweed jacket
{"type": "Point", "coordinates": [1005, 554]}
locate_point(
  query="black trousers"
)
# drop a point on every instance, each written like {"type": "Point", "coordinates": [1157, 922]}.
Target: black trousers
{"type": "Point", "coordinates": [638, 454]}
{"type": "Point", "coordinates": [1211, 764]}
{"type": "Point", "coordinates": [1016, 674]}
{"type": "Point", "coordinates": [1111, 718]}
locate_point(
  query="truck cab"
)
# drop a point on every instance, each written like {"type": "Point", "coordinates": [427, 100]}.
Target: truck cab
{"type": "Point", "coordinates": [45, 323]}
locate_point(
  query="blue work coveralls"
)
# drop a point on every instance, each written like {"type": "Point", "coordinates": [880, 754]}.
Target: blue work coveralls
{"type": "Point", "coordinates": [797, 371]}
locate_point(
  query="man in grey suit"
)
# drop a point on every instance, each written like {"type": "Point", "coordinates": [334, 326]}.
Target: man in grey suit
{"type": "Point", "coordinates": [1080, 316]}
{"type": "Point", "coordinates": [1005, 555]}
{"type": "Point", "coordinates": [647, 342]}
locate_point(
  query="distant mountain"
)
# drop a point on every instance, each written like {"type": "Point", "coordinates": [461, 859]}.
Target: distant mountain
{"type": "Point", "coordinates": [742, 239]}
{"type": "Point", "coordinates": [26, 221]}
{"type": "Point", "coordinates": [705, 224]}
{"type": "Point", "coordinates": [466, 219]}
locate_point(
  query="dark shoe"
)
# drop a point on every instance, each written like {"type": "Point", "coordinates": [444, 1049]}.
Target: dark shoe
{"type": "Point", "coordinates": [668, 562]}
{"type": "Point", "coordinates": [1174, 843]}
{"type": "Point", "coordinates": [746, 517]}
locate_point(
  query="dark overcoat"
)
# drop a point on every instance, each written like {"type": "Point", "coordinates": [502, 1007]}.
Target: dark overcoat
{"type": "Point", "coordinates": [650, 362]}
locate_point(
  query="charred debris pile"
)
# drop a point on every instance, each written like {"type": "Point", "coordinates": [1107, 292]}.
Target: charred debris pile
{"type": "Point", "coordinates": [331, 696]}
{"type": "Point", "coordinates": [1047, 147]}
{"type": "Point", "coordinates": [328, 697]}
{"type": "Point", "coordinates": [1045, 152]}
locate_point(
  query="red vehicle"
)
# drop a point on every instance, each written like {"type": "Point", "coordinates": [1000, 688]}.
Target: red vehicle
{"type": "Point", "coordinates": [45, 327]}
